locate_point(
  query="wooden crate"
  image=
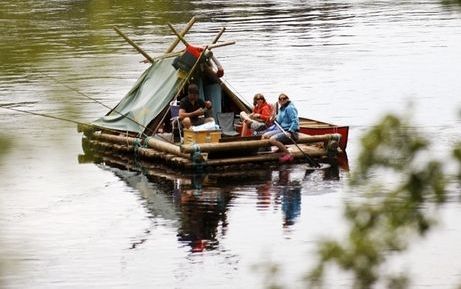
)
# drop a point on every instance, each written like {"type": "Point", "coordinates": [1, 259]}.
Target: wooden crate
{"type": "Point", "coordinates": [206, 136]}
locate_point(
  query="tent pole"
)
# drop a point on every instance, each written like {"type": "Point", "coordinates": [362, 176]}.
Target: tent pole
{"type": "Point", "coordinates": [182, 33]}
{"type": "Point", "coordinates": [219, 35]}
{"type": "Point", "coordinates": [180, 37]}
{"type": "Point", "coordinates": [135, 46]}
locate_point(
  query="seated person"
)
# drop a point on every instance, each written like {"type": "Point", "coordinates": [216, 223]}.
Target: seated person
{"type": "Point", "coordinates": [261, 117]}
{"type": "Point", "coordinates": [194, 111]}
{"type": "Point", "coordinates": [288, 120]}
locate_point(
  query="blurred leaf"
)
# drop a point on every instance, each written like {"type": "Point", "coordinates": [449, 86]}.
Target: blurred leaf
{"type": "Point", "coordinates": [390, 212]}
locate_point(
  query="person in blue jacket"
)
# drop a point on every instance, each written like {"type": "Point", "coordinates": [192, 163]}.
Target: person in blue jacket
{"type": "Point", "coordinates": [287, 118]}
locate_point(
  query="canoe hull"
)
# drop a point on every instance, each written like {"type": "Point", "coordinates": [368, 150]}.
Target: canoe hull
{"type": "Point", "coordinates": [315, 127]}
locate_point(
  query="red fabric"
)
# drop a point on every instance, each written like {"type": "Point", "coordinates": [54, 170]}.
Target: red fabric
{"type": "Point", "coordinates": [264, 110]}
{"type": "Point", "coordinates": [194, 50]}
{"type": "Point", "coordinates": [220, 72]}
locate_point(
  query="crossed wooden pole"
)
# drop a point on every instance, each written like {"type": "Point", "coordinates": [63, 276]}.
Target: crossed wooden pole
{"type": "Point", "coordinates": [179, 38]}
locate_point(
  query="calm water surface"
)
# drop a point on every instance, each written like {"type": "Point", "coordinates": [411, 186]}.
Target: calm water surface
{"type": "Point", "coordinates": [70, 225]}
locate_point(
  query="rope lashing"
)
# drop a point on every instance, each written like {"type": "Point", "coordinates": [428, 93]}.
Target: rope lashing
{"type": "Point", "coordinates": [196, 157]}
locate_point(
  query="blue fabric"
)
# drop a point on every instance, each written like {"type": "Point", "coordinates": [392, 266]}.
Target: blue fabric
{"type": "Point", "coordinates": [213, 93]}
{"type": "Point", "coordinates": [288, 118]}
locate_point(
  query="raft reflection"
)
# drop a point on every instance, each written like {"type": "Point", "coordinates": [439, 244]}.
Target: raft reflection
{"type": "Point", "coordinates": [203, 214]}
{"type": "Point", "coordinates": [199, 203]}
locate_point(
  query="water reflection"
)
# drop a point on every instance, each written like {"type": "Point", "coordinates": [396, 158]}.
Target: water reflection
{"type": "Point", "coordinates": [198, 204]}
{"type": "Point", "coordinates": [289, 197]}
{"type": "Point", "coordinates": [203, 213]}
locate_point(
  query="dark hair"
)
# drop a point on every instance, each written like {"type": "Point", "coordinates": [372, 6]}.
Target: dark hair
{"type": "Point", "coordinates": [283, 95]}
{"type": "Point", "coordinates": [192, 89]}
{"type": "Point", "coordinates": [258, 96]}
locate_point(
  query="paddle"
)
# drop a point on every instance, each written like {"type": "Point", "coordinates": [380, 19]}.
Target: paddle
{"type": "Point", "coordinates": [311, 161]}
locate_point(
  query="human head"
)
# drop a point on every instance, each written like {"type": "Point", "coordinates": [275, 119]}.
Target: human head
{"type": "Point", "coordinates": [192, 91]}
{"type": "Point", "coordinates": [258, 96]}
{"type": "Point", "coordinates": [283, 98]}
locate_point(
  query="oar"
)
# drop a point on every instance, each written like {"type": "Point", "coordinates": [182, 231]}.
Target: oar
{"type": "Point", "coordinates": [311, 161]}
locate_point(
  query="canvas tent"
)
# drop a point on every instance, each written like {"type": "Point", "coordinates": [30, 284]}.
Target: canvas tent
{"type": "Point", "coordinates": [152, 92]}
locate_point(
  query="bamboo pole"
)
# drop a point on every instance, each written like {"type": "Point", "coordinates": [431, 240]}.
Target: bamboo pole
{"type": "Point", "coordinates": [135, 46]}
{"type": "Point", "coordinates": [182, 33]}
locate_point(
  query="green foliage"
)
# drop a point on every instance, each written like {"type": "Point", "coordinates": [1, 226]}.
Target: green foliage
{"type": "Point", "coordinates": [391, 212]}
{"type": "Point", "coordinates": [5, 145]}
{"type": "Point", "coordinates": [457, 156]}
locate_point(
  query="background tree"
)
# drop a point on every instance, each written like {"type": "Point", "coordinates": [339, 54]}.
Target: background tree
{"type": "Point", "coordinates": [394, 209]}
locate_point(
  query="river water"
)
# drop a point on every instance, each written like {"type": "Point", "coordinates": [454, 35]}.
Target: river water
{"type": "Point", "coordinates": [66, 224]}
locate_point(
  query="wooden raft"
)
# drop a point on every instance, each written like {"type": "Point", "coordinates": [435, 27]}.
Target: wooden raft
{"type": "Point", "coordinates": [205, 155]}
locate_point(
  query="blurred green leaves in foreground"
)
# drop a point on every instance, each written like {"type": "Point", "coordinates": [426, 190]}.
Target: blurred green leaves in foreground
{"type": "Point", "coordinates": [5, 145]}
{"type": "Point", "coordinates": [400, 188]}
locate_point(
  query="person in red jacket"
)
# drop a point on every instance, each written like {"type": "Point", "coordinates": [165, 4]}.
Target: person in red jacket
{"type": "Point", "coordinates": [261, 117]}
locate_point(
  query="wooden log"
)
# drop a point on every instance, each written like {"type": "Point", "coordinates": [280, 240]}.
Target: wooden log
{"type": "Point", "coordinates": [219, 35]}
{"type": "Point", "coordinates": [160, 146]}
{"type": "Point", "coordinates": [176, 53]}
{"type": "Point", "coordinates": [101, 146]}
{"type": "Point", "coordinates": [149, 153]}
{"type": "Point", "coordinates": [163, 146]}
{"type": "Point", "coordinates": [241, 160]}
{"type": "Point", "coordinates": [180, 37]}
{"type": "Point", "coordinates": [120, 139]}
{"type": "Point", "coordinates": [182, 33]}
{"type": "Point", "coordinates": [271, 157]}
{"type": "Point", "coordinates": [135, 46]}
{"type": "Point", "coordinates": [226, 146]}
{"type": "Point", "coordinates": [222, 44]}
{"type": "Point", "coordinates": [251, 144]}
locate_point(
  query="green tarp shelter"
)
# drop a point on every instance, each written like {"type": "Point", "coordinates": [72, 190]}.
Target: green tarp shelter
{"type": "Point", "coordinates": [153, 91]}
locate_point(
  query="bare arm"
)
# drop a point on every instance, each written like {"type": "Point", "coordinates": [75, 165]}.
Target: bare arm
{"type": "Point", "coordinates": [183, 113]}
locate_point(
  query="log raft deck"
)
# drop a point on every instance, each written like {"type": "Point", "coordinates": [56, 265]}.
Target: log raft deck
{"type": "Point", "coordinates": [141, 124]}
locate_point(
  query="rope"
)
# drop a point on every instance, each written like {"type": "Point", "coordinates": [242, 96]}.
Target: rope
{"type": "Point", "coordinates": [91, 98]}
{"type": "Point", "coordinates": [44, 115]}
